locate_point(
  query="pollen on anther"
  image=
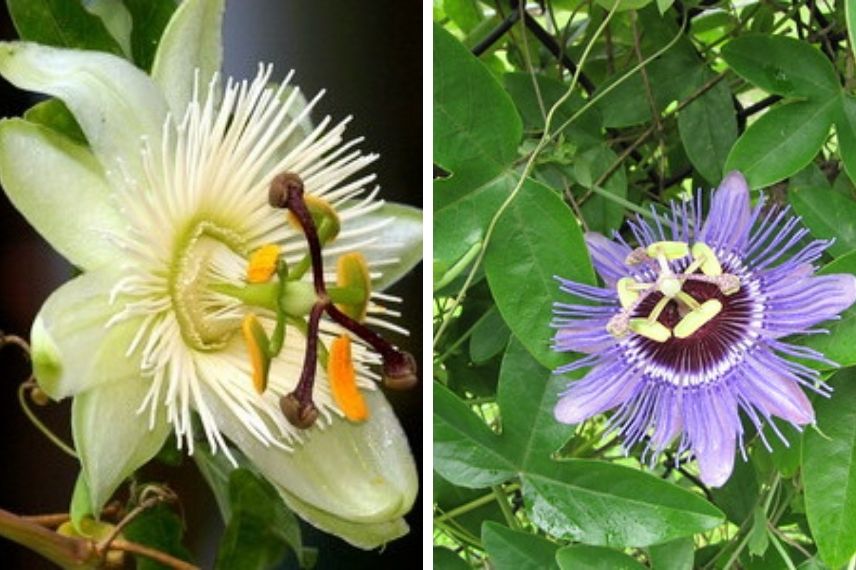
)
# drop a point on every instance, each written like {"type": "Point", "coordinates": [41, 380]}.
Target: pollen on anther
{"type": "Point", "coordinates": [343, 381]}
{"type": "Point", "coordinates": [262, 263]}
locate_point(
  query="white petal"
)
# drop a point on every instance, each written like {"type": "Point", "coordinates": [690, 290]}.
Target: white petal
{"type": "Point", "coordinates": [72, 348]}
{"type": "Point", "coordinates": [191, 41]}
{"type": "Point", "coordinates": [111, 438]}
{"type": "Point", "coordinates": [398, 236]}
{"type": "Point", "coordinates": [362, 535]}
{"type": "Point", "coordinates": [361, 473]}
{"type": "Point", "coordinates": [115, 103]}
{"type": "Point", "coordinates": [60, 188]}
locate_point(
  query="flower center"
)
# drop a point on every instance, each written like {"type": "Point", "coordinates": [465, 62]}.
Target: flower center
{"type": "Point", "coordinates": [194, 269]}
{"type": "Point", "coordinates": [686, 295]}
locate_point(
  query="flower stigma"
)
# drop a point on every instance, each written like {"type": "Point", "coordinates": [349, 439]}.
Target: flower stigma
{"type": "Point", "coordinates": [694, 313]}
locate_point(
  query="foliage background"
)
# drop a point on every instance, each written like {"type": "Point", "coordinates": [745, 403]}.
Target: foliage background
{"type": "Point", "coordinates": [673, 94]}
{"type": "Point", "coordinates": [370, 64]}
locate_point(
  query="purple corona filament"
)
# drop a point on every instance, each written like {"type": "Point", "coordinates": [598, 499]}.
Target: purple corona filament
{"type": "Point", "coordinates": [687, 330]}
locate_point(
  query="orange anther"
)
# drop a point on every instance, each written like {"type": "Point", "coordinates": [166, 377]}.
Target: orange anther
{"type": "Point", "coordinates": [343, 381]}
{"type": "Point", "coordinates": [262, 263]}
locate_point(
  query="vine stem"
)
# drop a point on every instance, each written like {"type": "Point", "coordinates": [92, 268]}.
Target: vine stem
{"type": "Point", "coordinates": [34, 419]}
{"type": "Point", "coordinates": [502, 499]}
{"type": "Point", "coordinates": [545, 138]}
{"type": "Point", "coordinates": [70, 552]}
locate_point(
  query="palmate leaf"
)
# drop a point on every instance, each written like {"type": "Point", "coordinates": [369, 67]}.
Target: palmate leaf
{"type": "Point", "coordinates": [514, 550]}
{"type": "Point", "coordinates": [476, 133]}
{"type": "Point", "coordinates": [536, 239]}
{"type": "Point", "coordinates": [593, 502]}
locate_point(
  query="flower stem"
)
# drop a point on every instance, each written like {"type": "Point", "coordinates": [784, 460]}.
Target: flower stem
{"type": "Point", "coordinates": [502, 499]}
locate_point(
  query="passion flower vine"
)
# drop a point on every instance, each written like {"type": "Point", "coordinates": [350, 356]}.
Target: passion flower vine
{"type": "Point", "coordinates": [231, 256]}
{"type": "Point", "coordinates": [688, 329]}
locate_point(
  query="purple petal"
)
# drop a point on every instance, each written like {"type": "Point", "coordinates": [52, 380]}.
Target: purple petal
{"type": "Point", "coordinates": [607, 257]}
{"type": "Point", "coordinates": [712, 426]}
{"type": "Point", "coordinates": [727, 224]}
{"type": "Point", "coordinates": [586, 336]}
{"type": "Point", "coordinates": [604, 387]}
{"type": "Point", "coordinates": [774, 391]}
{"type": "Point", "coordinates": [798, 305]}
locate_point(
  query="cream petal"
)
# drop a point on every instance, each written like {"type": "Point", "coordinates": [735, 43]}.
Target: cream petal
{"type": "Point", "coordinates": [115, 103]}
{"type": "Point", "coordinates": [397, 233]}
{"type": "Point", "coordinates": [61, 190]}
{"type": "Point", "coordinates": [73, 350]}
{"type": "Point", "coordinates": [111, 438]}
{"type": "Point", "coordinates": [191, 41]}
{"type": "Point", "coordinates": [360, 473]}
{"type": "Point", "coordinates": [362, 535]}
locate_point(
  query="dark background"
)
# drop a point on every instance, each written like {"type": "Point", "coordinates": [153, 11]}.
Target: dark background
{"type": "Point", "coordinates": [368, 57]}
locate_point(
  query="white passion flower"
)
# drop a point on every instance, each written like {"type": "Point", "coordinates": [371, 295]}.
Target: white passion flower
{"type": "Point", "coordinates": [229, 253]}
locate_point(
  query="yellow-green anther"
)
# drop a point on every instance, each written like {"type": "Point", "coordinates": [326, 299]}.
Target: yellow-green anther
{"type": "Point", "coordinates": [627, 295]}
{"type": "Point", "coordinates": [669, 249]}
{"type": "Point", "coordinates": [655, 331]}
{"type": "Point", "coordinates": [669, 287]}
{"type": "Point", "coordinates": [258, 347]}
{"type": "Point", "coordinates": [697, 318]}
{"type": "Point", "coordinates": [709, 263]}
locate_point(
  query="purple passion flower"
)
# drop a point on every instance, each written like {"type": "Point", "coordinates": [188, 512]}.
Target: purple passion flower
{"type": "Point", "coordinates": [687, 330]}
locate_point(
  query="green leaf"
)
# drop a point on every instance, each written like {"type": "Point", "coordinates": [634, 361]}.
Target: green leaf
{"type": "Point", "coordinates": [840, 344]}
{"type": "Point", "coordinates": [160, 528]}
{"type": "Point", "coordinates": [582, 557]}
{"type": "Point", "coordinates": [829, 472]}
{"type": "Point", "coordinates": [600, 213]}
{"type": "Point", "coordinates": [850, 17]}
{"type": "Point", "coordinates": [55, 115]}
{"type": "Point", "coordinates": [514, 550]}
{"type": "Point", "coordinates": [465, 450]}
{"type": "Point", "coordinates": [61, 23]}
{"type": "Point", "coordinates": [845, 128]}
{"type": "Point", "coordinates": [476, 128]}
{"type": "Point", "coordinates": [536, 239]}
{"type": "Point", "coordinates": [260, 529]}
{"type": "Point", "coordinates": [466, 14]}
{"type": "Point", "coordinates": [610, 505]}
{"type": "Point", "coordinates": [782, 65]}
{"type": "Point", "coordinates": [664, 5]}
{"type": "Point", "coordinates": [759, 540]}
{"type": "Point", "coordinates": [828, 215]}
{"type": "Point", "coordinates": [573, 499]}
{"type": "Point", "coordinates": [673, 555]}
{"type": "Point", "coordinates": [673, 76]}
{"type": "Point", "coordinates": [623, 5]}
{"type": "Point", "coordinates": [460, 223]}
{"type": "Point", "coordinates": [445, 559]}
{"type": "Point", "coordinates": [782, 141]}
{"type": "Point", "coordinates": [489, 338]}
{"type": "Point", "coordinates": [708, 129]}
{"type": "Point", "coordinates": [150, 18]}
{"type": "Point", "coordinates": [533, 106]}
{"type": "Point", "coordinates": [116, 19]}
{"type": "Point", "coordinates": [448, 497]}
